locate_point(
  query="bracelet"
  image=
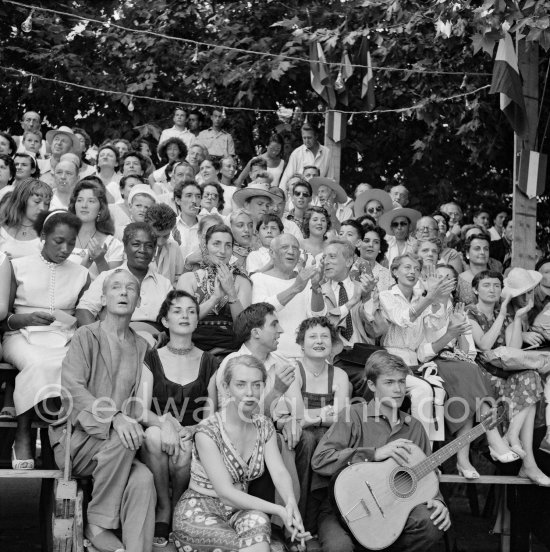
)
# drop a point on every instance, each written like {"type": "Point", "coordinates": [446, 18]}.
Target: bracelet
{"type": "Point", "coordinates": [8, 323]}
{"type": "Point", "coordinates": [233, 300]}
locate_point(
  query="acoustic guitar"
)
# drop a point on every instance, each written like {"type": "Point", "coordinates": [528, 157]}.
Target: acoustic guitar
{"type": "Point", "coordinates": [376, 498]}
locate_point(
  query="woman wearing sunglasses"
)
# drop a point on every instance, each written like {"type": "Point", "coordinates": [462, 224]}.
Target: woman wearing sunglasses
{"type": "Point", "coordinates": [373, 202]}
{"type": "Point", "coordinates": [300, 198]}
{"type": "Point", "coordinates": [399, 225]}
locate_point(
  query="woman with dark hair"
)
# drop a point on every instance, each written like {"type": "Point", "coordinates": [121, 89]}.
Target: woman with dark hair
{"type": "Point", "coordinates": [45, 290]}
{"type": "Point", "coordinates": [476, 254]}
{"type": "Point", "coordinates": [231, 449]}
{"type": "Point", "coordinates": [372, 250]}
{"type": "Point", "coordinates": [228, 169]}
{"type": "Point", "coordinates": [223, 291]}
{"type": "Point", "coordinates": [315, 227]}
{"type": "Point", "coordinates": [209, 171]}
{"type": "Point", "coordinates": [7, 174]}
{"type": "Point", "coordinates": [96, 249]}
{"type": "Point", "coordinates": [169, 151]}
{"type": "Point", "coordinates": [274, 160]}
{"type": "Point", "coordinates": [107, 166]}
{"type": "Point", "coordinates": [325, 390]}
{"type": "Point", "coordinates": [7, 144]}
{"type": "Point", "coordinates": [212, 202]}
{"type": "Point", "coordinates": [184, 386]}
{"type": "Point", "coordinates": [18, 215]}
{"type": "Point", "coordinates": [492, 326]}
{"type": "Point", "coordinates": [25, 167]}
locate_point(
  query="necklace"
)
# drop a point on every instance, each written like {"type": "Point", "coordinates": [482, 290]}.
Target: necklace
{"type": "Point", "coordinates": [316, 374]}
{"type": "Point", "coordinates": [23, 232]}
{"type": "Point", "coordinates": [84, 252]}
{"type": "Point", "coordinates": [180, 351]}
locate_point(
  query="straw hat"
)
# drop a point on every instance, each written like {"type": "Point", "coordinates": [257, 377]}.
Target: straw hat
{"type": "Point", "coordinates": [379, 195]}
{"type": "Point", "coordinates": [520, 281]}
{"type": "Point", "coordinates": [51, 134]}
{"type": "Point", "coordinates": [254, 189]}
{"type": "Point", "coordinates": [388, 217]}
{"type": "Point", "coordinates": [317, 181]}
{"type": "Point", "coordinates": [141, 189]}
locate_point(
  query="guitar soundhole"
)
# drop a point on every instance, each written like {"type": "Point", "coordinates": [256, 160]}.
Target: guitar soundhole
{"type": "Point", "coordinates": [403, 483]}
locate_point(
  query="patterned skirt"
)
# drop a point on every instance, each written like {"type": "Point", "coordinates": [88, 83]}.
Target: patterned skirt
{"type": "Point", "coordinates": [203, 523]}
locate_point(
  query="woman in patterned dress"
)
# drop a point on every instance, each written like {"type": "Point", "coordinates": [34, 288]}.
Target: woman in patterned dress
{"type": "Point", "coordinates": [232, 448]}
{"type": "Point", "coordinates": [493, 327]}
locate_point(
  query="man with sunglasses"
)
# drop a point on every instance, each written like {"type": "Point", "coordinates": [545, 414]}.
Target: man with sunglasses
{"type": "Point", "coordinates": [300, 199]}
{"type": "Point", "coordinates": [399, 224]}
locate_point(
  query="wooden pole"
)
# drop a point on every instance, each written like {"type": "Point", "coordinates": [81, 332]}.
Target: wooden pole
{"type": "Point", "coordinates": [525, 209]}
{"type": "Point", "coordinates": [334, 147]}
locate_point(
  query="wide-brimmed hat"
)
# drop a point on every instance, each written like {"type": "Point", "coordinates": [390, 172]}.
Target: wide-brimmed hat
{"type": "Point", "coordinates": [317, 181]}
{"type": "Point", "coordinates": [520, 281]}
{"type": "Point", "coordinates": [254, 189]}
{"type": "Point", "coordinates": [141, 189]}
{"type": "Point", "coordinates": [388, 217]}
{"type": "Point", "coordinates": [379, 195]}
{"type": "Point", "coordinates": [50, 135]}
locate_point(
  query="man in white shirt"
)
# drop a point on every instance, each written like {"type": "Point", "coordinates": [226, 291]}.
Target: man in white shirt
{"type": "Point", "coordinates": [295, 295]}
{"type": "Point", "coordinates": [139, 247]}
{"type": "Point", "coordinates": [329, 194]}
{"type": "Point", "coordinates": [344, 297]}
{"type": "Point", "coordinates": [31, 122]}
{"type": "Point", "coordinates": [399, 225]}
{"type": "Point", "coordinates": [188, 196]}
{"type": "Point", "coordinates": [62, 140]}
{"type": "Point", "coordinates": [179, 130]}
{"type": "Point", "coordinates": [311, 152]}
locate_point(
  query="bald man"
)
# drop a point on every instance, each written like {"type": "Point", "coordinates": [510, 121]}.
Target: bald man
{"type": "Point", "coordinates": [101, 377]}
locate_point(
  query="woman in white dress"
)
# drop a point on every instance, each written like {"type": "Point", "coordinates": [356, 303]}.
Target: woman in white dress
{"type": "Point", "coordinates": [107, 166]}
{"type": "Point", "coordinates": [45, 290]}
{"type": "Point", "coordinates": [96, 249]}
{"type": "Point", "coordinates": [18, 215]}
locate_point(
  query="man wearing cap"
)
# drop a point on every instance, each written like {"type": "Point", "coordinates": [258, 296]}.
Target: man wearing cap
{"type": "Point", "coordinates": [311, 152]}
{"type": "Point", "coordinates": [329, 194]}
{"type": "Point", "coordinates": [399, 224]}
{"type": "Point", "coordinates": [218, 142]}
{"type": "Point", "coordinates": [63, 140]}
{"type": "Point", "coordinates": [373, 202]}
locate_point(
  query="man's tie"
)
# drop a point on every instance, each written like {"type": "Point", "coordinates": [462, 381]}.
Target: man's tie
{"type": "Point", "coordinates": [346, 332]}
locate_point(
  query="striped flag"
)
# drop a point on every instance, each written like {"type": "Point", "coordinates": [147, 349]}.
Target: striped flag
{"type": "Point", "coordinates": [532, 173]}
{"type": "Point", "coordinates": [367, 81]}
{"type": "Point", "coordinates": [507, 82]}
{"type": "Point", "coordinates": [321, 80]}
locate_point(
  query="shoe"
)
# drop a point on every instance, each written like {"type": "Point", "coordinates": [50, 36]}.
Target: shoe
{"type": "Point", "coordinates": [468, 474]}
{"type": "Point", "coordinates": [505, 458]}
{"type": "Point", "coordinates": [17, 464]}
{"type": "Point", "coordinates": [105, 541]}
{"type": "Point", "coordinates": [162, 531]}
{"type": "Point", "coordinates": [7, 414]}
{"type": "Point", "coordinates": [518, 450]}
{"type": "Point", "coordinates": [540, 480]}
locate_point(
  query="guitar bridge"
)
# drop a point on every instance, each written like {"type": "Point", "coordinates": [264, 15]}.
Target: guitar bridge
{"type": "Point", "coordinates": [360, 503]}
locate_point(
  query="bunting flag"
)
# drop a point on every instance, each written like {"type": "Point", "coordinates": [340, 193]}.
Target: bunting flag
{"type": "Point", "coordinates": [321, 81]}
{"type": "Point", "coordinates": [367, 81]}
{"type": "Point", "coordinates": [345, 72]}
{"type": "Point", "coordinates": [335, 125]}
{"type": "Point", "coordinates": [507, 81]}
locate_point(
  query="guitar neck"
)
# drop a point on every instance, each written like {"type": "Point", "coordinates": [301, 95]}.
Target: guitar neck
{"type": "Point", "coordinates": [437, 458]}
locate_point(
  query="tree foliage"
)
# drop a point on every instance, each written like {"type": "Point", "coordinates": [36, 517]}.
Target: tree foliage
{"type": "Point", "coordinates": [460, 148]}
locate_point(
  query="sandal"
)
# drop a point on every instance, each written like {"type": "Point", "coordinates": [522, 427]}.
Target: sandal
{"type": "Point", "coordinates": [162, 532]}
{"type": "Point", "coordinates": [17, 464]}
{"type": "Point", "coordinates": [7, 413]}
{"type": "Point", "coordinates": [105, 541]}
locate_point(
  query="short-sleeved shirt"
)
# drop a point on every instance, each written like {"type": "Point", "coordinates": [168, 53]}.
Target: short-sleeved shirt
{"type": "Point", "coordinates": [240, 470]}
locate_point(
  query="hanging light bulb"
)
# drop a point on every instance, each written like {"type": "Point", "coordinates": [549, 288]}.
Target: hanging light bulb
{"type": "Point", "coordinates": [223, 112]}
{"type": "Point", "coordinates": [195, 57]}
{"type": "Point", "coordinates": [350, 122]}
{"type": "Point", "coordinates": [26, 26]}
{"type": "Point", "coordinates": [131, 106]}
{"type": "Point", "coordinates": [30, 89]}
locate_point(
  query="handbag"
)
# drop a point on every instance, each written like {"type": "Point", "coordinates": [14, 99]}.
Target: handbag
{"type": "Point", "coordinates": [510, 359]}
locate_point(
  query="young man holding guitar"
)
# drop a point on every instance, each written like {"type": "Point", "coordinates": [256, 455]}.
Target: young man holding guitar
{"type": "Point", "coordinates": [377, 432]}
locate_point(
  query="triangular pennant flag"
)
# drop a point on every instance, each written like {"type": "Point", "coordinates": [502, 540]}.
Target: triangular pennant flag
{"type": "Point", "coordinates": [367, 81]}
{"type": "Point", "coordinates": [532, 173]}
{"type": "Point", "coordinates": [507, 81]}
{"type": "Point", "coordinates": [336, 125]}
{"type": "Point", "coordinates": [321, 81]}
